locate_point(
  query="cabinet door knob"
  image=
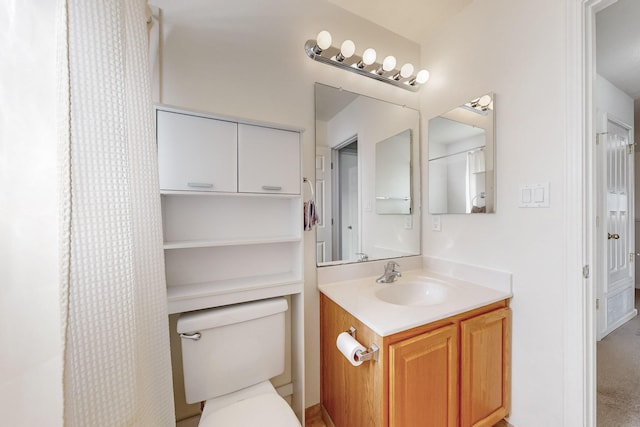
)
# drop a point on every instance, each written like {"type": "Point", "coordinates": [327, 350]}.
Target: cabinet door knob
{"type": "Point", "coordinates": [199, 185]}
{"type": "Point", "coordinates": [613, 236]}
{"type": "Point", "coordinates": [272, 187]}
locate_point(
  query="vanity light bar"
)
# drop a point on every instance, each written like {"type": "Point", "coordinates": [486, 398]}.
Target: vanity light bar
{"type": "Point", "coordinates": [345, 57]}
{"type": "Point", "coordinates": [481, 105]}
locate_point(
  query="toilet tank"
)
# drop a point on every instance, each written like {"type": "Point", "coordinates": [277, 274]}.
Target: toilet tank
{"type": "Point", "coordinates": [239, 346]}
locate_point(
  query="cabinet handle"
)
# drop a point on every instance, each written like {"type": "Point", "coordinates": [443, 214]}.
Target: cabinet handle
{"type": "Point", "coordinates": [194, 336]}
{"type": "Point", "coordinates": [199, 185]}
{"type": "Point", "coordinates": [272, 187]}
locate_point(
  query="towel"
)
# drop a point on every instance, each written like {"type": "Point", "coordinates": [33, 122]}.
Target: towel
{"type": "Point", "coordinates": [310, 215]}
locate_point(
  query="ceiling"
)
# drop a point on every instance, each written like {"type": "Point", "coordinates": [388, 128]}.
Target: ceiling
{"type": "Point", "coordinates": [618, 45]}
{"type": "Point", "coordinates": [415, 20]}
{"type": "Point", "coordinates": [330, 101]}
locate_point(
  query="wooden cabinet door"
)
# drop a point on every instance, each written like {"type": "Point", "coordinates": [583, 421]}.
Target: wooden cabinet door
{"type": "Point", "coordinates": [269, 160]}
{"type": "Point", "coordinates": [423, 380]}
{"type": "Point", "coordinates": [196, 153]}
{"type": "Point", "coordinates": [485, 368]}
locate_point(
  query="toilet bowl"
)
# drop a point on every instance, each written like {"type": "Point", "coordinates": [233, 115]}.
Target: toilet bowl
{"type": "Point", "coordinates": [258, 405]}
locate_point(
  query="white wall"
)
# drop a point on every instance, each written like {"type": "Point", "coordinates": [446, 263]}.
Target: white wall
{"type": "Point", "coordinates": [247, 60]}
{"type": "Point", "coordinates": [517, 50]}
{"type": "Point", "coordinates": [31, 355]}
{"type": "Point", "coordinates": [614, 102]}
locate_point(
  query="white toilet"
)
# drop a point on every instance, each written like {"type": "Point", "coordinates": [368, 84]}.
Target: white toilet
{"type": "Point", "coordinates": [228, 355]}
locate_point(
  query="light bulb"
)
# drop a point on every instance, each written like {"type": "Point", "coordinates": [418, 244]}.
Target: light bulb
{"type": "Point", "coordinates": [324, 40]}
{"type": "Point", "coordinates": [484, 101]}
{"type": "Point", "coordinates": [347, 49]}
{"type": "Point", "coordinates": [406, 70]}
{"type": "Point", "coordinates": [389, 63]}
{"type": "Point", "coordinates": [369, 56]}
{"type": "Point", "coordinates": [422, 77]}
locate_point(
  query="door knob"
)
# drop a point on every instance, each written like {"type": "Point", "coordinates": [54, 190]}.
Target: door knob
{"type": "Point", "coordinates": [613, 236]}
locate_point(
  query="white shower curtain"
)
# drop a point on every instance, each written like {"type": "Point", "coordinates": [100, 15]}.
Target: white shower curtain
{"type": "Point", "coordinates": [473, 191]}
{"type": "Point", "coordinates": [117, 369]}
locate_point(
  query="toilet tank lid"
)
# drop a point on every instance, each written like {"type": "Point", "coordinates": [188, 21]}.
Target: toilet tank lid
{"type": "Point", "coordinates": [227, 315]}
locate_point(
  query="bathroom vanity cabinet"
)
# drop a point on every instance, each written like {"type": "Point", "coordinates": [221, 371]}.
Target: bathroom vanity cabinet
{"type": "Point", "coordinates": [451, 372]}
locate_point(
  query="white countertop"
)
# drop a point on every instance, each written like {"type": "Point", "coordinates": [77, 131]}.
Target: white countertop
{"type": "Point", "coordinates": [358, 297]}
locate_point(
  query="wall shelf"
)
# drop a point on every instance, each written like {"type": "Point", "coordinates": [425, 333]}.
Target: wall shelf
{"type": "Point", "coordinates": [197, 296]}
{"type": "Point", "coordinates": [186, 244]}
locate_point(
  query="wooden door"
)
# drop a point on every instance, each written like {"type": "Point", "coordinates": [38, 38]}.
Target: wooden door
{"type": "Point", "coordinates": [423, 384]}
{"type": "Point", "coordinates": [485, 368]}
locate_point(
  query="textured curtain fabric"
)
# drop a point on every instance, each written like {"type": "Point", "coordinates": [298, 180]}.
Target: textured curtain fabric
{"type": "Point", "coordinates": [117, 369]}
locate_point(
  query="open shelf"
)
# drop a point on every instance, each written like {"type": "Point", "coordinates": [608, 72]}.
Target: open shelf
{"type": "Point", "coordinates": [190, 222]}
{"type": "Point", "coordinates": [197, 296]}
{"type": "Point", "coordinates": [185, 244]}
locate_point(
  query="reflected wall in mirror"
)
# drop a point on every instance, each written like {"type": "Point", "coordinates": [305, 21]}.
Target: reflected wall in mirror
{"type": "Point", "coordinates": [461, 158]}
{"type": "Point", "coordinates": [355, 133]}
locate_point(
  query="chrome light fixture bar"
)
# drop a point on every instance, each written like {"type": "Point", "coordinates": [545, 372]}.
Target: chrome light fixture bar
{"type": "Point", "coordinates": [345, 57]}
{"type": "Point", "coordinates": [481, 105]}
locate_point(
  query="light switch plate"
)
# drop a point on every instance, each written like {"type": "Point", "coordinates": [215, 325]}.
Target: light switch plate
{"type": "Point", "coordinates": [534, 195]}
{"type": "Point", "coordinates": [435, 223]}
{"type": "Point", "coordinates": [408, 222]}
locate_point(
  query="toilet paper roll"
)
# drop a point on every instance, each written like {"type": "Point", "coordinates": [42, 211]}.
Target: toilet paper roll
{"type": "Point", "coordinates": [348, 346]}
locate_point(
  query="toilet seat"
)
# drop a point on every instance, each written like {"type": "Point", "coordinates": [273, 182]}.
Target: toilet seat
{"type": "Point", "coordinates": [256, 405]}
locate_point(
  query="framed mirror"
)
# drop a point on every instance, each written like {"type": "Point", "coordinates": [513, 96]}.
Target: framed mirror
{"type": "Point", "coordinates": [367, 185]}
{"type": "Point", "coordinates": [462, 159]}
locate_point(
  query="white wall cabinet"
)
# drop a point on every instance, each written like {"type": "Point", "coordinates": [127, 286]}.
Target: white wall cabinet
{"type": "Point", "coordinates": [196, 153]}
{"type": "Point", "coordinates": [236, 235]}
{"type": "Point", "coordinates": [266, 159]}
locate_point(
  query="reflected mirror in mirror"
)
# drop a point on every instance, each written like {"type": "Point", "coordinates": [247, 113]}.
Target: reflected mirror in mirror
{"type": "Point", "coordinates": [393, 174]}
{"type": "Point", "coordinates": [461, 158]}
{"type": "Point", "coordinates": [364, 158]}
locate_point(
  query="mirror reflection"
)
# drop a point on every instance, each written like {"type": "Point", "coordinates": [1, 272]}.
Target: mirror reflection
{"type": "Point", "coordinates": [367, 192]}
{"type": "Point", "coordinates": [393, 174]}
{"type": "Point", "coordinates": [461, 159]}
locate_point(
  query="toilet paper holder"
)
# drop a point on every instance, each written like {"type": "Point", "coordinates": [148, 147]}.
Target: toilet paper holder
{"type": "Point", "coordinates": [370, 353]}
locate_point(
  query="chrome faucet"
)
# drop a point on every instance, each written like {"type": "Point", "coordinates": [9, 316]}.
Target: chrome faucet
{"type": "Point", "coordinates": [362, 256]}
{"type": "Point", "coordinates": [390, 273]}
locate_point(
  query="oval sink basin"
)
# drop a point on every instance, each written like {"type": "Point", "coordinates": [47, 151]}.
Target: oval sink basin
{"type": "Point", "coordinates": [415, 293]}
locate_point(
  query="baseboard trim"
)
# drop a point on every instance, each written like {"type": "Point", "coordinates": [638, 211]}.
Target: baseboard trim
{"type": "Point", "coordinates": [326, 418]}
{"type": "Point", "coordinates": [317, 411]}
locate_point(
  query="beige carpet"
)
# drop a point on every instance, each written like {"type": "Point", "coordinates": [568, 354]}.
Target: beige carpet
{"type": "Point", "coordinates": [619, 375]}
